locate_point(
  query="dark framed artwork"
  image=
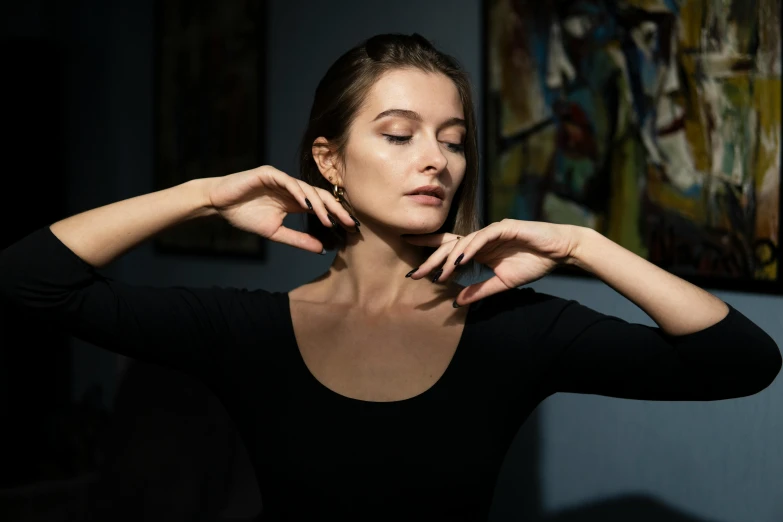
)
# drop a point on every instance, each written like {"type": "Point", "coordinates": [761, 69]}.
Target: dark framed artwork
{"type": "Point", "coordinates": [655, 122]}
{"type": "Point", "coordinates": [209, 117]}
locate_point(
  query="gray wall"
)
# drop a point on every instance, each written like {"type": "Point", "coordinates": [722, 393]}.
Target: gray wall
{"type": "Point", "coordinates": [711, 461]}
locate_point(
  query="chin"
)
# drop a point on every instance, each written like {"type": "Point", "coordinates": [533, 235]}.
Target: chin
{"type": "Point", "coordinates": [421, 228]}
{"type": "Point", "coordinates": [411, 223]}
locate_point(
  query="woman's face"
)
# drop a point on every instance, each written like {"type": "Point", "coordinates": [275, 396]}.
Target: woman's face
{"type": "Point", "coordinates": [409, 134]}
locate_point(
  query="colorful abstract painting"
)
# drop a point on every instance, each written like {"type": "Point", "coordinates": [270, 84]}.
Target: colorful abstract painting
{"type": "Point", "coordinates": [655, 122]}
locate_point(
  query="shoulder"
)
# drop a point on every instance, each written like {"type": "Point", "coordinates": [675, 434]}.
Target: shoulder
{"type": "Point", "coordinates": [527, 316]}
{"type": "Point", "coordinates": [508, 332]}
{"type": "Point", "coordinates": [543, 310]}
{"type": "Point", "coordinates": [244, 308]}
{"type": "Point", "coordinates": [520, 303]}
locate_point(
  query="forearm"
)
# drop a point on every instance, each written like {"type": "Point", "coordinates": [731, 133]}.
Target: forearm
{"type": "Point", "coordinates": [102, 234]}
{"type": "Point", "coordinates": [676, 305]}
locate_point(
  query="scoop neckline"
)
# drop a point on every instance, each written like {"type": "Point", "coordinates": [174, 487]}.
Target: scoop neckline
{"type": "Point", "coordinates": [352, 400]}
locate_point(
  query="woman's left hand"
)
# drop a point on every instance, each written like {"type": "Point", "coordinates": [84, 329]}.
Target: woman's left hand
{"type": "Point", "coordinates": [518, 252]}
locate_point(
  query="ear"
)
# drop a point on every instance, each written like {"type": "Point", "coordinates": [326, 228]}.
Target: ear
{"type": "Point", "coordinates": [326, 158]}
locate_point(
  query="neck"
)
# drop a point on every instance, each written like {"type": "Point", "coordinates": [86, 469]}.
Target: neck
{"type": "Point", "coordinates": [369, 272]}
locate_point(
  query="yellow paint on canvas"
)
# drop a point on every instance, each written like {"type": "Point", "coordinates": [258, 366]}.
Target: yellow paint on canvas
{"type": "Point", "coordinates": [766, 99]}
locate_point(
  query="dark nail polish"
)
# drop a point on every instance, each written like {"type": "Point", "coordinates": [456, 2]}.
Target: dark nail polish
{"type": "Point", "coordinates": [437, 275]}
{"type": "Point", "coordinates": [355, 221]}
{"type": "Point", "coordinates": [331, 220]}
{"type": "Point", "coordinates": [411, 272]}
{"type": "Point", "coordinates": [454, 304]}
{"type": "Point", "coordinates": [309, 205]}
{"type": "Point", "coordinates": [456, 261]}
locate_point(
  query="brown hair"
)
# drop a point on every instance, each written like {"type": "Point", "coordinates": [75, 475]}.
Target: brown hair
{"type": "Point", "coordinates": [340, 95]}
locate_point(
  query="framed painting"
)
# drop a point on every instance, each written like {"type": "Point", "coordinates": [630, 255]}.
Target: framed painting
{"type": "Point", "coordinates": [655, 122]}
{"type": "Point", "coordinates": [209, 109]}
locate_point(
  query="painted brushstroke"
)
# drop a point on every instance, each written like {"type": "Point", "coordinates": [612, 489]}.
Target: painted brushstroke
{"type": "Point", "coordinates": [656, 122]}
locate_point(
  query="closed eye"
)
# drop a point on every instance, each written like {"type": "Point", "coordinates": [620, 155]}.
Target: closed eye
{"type": "Point", "coordinates": [397, 140]}
{"type": "Point", "coordinates": [404, 140]}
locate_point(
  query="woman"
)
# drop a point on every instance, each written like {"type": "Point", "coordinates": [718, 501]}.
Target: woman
{"type": "Point", "coordinates": [378, 391]}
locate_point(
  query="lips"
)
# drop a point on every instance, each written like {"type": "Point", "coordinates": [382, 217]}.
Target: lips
{"type": "Point", "coordinates": [428, 190]}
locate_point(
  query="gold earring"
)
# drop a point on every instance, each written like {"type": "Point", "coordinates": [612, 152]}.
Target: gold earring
{"type": "Point", "coordinates": [338, 193]}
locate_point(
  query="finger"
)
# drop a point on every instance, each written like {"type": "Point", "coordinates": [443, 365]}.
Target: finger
{"type": "Point", "coordinates": [456, 256]}
{"type": "Point", "coordinates": [478, 291]}
{"type": "Point", "coordinates": [479, 240]}
{"type": "Point", "coordinates": [319, 208]}
{"type": "Point", "coordinates": [464, 250]}
{"type": "Point", "coordinates": [293, 187]}
{"type": "Point", "coordinates": [297, 239]}
{"type": "Point", "coordinates": [430, 240]}
{"type": "Point", "coordinates": [336, 209]}
{"type": "Point", "coordinates": [435, 261]}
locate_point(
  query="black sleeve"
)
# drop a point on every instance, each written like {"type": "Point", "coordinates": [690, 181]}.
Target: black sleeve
{"type": "Point", "coordinates": [593, 353]}
{"type": "Point", "coordinates": [183, 328]}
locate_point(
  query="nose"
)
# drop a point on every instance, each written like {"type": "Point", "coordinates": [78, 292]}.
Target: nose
{"type": "Point", "coordinates": [432, 156]}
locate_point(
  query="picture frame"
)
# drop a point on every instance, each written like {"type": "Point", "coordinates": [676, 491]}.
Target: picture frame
{"type": "Point", "coordinates": [657, 123]}
{"type": "Point", "coordinates": [209, 99]}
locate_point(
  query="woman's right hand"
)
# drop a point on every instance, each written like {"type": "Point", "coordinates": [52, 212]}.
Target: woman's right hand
{"type": "Point", "coordinates": [257, 200]}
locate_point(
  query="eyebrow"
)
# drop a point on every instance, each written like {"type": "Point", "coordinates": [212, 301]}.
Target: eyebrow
{"type": "Point", "coordinates": [415, 116]}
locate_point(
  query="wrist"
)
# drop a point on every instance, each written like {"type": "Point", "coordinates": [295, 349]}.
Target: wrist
{"type": "Point", "coordinates": [583, 242]}
{"type": "Point", "coordinates": [198, 192]}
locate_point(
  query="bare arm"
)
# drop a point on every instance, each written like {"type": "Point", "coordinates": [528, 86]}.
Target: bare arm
{"type": "Point", "coordinates": [53, 273]}
{"type": "Point", "coordinates": [677, 306]}
{"type": "Point", "coordinates": [102, 234]}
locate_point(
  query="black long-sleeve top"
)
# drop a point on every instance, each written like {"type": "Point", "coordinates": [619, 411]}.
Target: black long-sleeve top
{"type": "Point", "coordinates": [319, 455]}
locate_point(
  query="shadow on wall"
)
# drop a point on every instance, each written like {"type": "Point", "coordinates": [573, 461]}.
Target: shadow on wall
{"type": "Point", "coordinates": [170, 453]}
{"type": "Point", "coordinates": [173, 443]}
{"type": "Point", "coordinates": [636, 508]}
{"type": "Point", "coordinates": [518, 496]}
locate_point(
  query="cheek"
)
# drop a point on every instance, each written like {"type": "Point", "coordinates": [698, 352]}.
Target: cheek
{"type": "Point", "coordinates": [369, 154]}
{"type": "Point", "coordinates": [373, 179]}
{"type": "Point", "coordinates": [376, 165]}
{"type": "Point", "coordinates": [459, 164]}
{"type": "Point", "coordinates": [457, 167]}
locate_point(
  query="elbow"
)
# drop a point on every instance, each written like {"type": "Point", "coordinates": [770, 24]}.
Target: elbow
{"type": "Point", "coordinates": [764, 371]}
{"type": "Point", "coordinates": [774, 366]}
{"type": "Point", "coordinates": [742, 358]}
{"type": "Point", "coordinates": [8, 281]}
